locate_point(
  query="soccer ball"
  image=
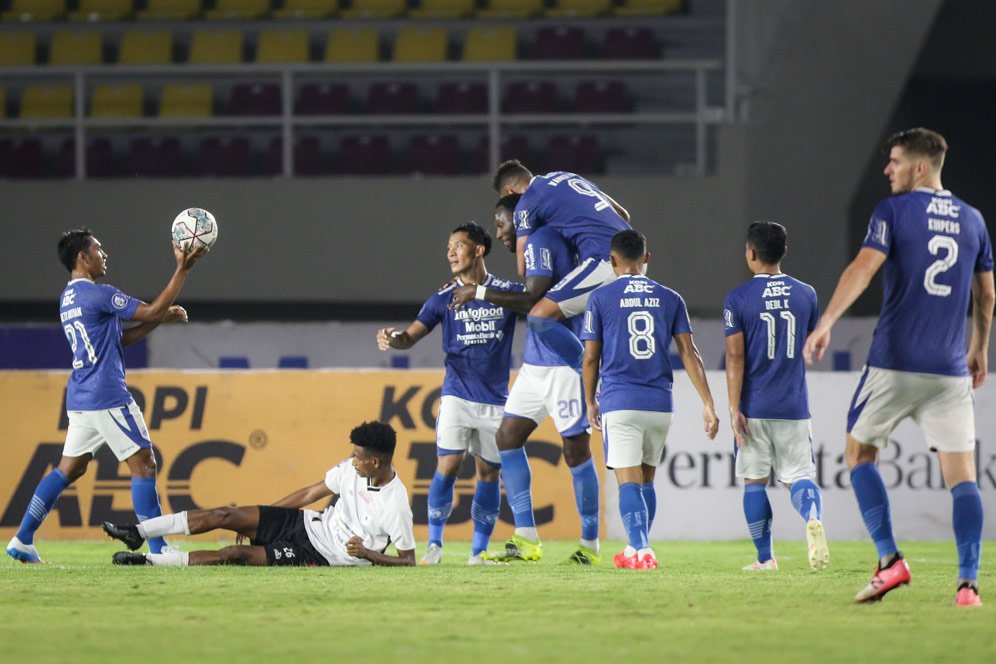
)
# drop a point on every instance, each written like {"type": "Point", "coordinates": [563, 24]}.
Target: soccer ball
{"type": "Point", "coordinates": [195, 227]}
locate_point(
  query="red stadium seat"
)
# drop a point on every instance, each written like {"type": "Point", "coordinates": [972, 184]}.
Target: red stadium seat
{"type": "Point", "coordinates": [580, 154]}
{"type": "Point", "coordinates": [28, 160]}
{"type": "Point", "coordinates": [434, 155]}
{"type": "Point", "coordinates": [100, 159]}
{"type": "Point", "coordinates": [255, 99]}
{"type": "Point", "coordinates": [602, 97]}
{"type": "Point", "coordinates": [513, 146]}
{"type": "Point", "coordinates": [462, 99]}
{"type": "Point", "coordinates": [323, 99]}
{"type": "Point", "coordinates": [559, 43]}
{"type": "Point", "coordinates": [631, 43]}
{"type": "Point", "coordinates": [308, 157]}
{"type": "Point", "coordinates": [224, 157]}
{"type": "Point", "coordinates": [155, 157]}
{"type": "Point", "coordinates": [393, 98]}
{"type": "Point", "coordinates": [531, 97]}
{"type": "Point", "coordinates": [363, 155]}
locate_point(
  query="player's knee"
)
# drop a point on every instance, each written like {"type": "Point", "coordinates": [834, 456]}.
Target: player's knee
{"type": "Point", "coordinates": [856, 453]}
{"type": "Point", "coordinates": [73, 471]}
{"type": "Point", "coordinates": [576, 452]}
{"type": "Point", "coordinates": [487, 473]}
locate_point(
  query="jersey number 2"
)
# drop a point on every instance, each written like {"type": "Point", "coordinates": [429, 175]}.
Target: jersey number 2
{"type": "Point", "coordinates": [934, 246]}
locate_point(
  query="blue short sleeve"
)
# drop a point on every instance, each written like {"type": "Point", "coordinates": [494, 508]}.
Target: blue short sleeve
{"type": "Point", "coordinates": [731, 317]}
{"type": "Point", "coordinates": [592, 328]}
{"type": "Point", "coordinates": [112, 301]}
{"type": "Point", "coordinates": [682, 325]}
{"type": "Point", "coordinates": [984, 263]}
{"type": "Point", "coordinates": [431, 313]}
{"type": "Point", "coordinates": [879, 234]}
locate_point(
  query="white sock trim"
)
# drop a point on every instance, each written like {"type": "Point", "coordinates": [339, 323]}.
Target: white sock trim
{"type": "Point", "coordinates": [167, 524]}
{"type": "Point", "coordinates": [178, 559]}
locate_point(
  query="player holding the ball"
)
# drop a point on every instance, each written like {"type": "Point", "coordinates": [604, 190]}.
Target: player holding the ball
{"type": "Point", "coordinates": [100, 408]}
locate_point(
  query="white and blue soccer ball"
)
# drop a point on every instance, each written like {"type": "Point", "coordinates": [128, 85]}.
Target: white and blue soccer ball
{"type": "Point", "coordinates": [195, 227]}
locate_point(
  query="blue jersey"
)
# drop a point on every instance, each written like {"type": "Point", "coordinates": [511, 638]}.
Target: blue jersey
{"type": "Point", "coordinates": [934, 243]}
{"type": "Point", "coordinates": [635, 318]}
{"type": "Point", "coordinates": [477, 341]}
{"type": "Point", "coordinates": [91, 316]}
{"type": "Point", "coordinates": [548, 255]}
{"type": "Point", "coordinates": [775, 313]}
{"type": "Point", "coordinates": [575, 208]}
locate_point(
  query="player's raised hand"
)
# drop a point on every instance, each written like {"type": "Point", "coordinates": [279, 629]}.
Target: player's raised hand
{"type": "Point", "coordinates": [816, 344]}
{"type": "Point", "coordinates": [710, 420]}
{"type": "Point", "coordinates": [185, 257]}
{"type": "Point", "coordinates": [355, 548]}
{"type": "Point", "coordinates": [175, 313]}
{"type": "Point", "coordinates": [462, 296]}
{"type": "Point", "coordinates": [595, 416]}
{"type": "Point", "coordinates": [739, 424]}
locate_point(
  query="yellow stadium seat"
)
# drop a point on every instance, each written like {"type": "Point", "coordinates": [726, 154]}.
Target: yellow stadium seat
{"type": "Point", "coordinates": [116, 101]}
{"type": "Point", "coordinates": [420, 45]}
{"type": "Point", "coordinates": [276, 46]}
{"type": "Point", "coordinates": [170, 10]}
{"type": "Point", "coordinates": [216, 47]}
{"type": "Point", "coordinates": [17, 49]}
{"type": "Point", "coordinates": [238, 10]}
{"type": "Point", "coordinates": [102, 10]}
{"type": "Point", "coordinates": [352, 45]}
{"type": "Point", "coordinates": [375, 9]}
{"type": "Point", "coordinates": [181, 100]}
{"type": "Point", "coordinates": [47, 101]}
{"type": "Point", "coordinates": [648, 7]}
{"type": "Point", "coordinates": [443, 9]}
{"type": "Point", "coordinates": [72, 47]}
{"type": "Point", "coordinates": [489, 44]}
{"type": "Point", "coordinates": [35, 10]}
{"type": "Point", "coordinates": [579, 8]}
{"type": "Point", "coordinates": [146, 47]}
{"type": "Point", "coordinates": [511, 9]}
{"type": "Point", "coordinates": [296, 9]}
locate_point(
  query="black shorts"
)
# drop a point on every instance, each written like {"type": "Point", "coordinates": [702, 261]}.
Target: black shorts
{"type": "Point", "coordinates": [281, 532]}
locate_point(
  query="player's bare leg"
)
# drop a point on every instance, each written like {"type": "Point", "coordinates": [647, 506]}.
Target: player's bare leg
{"type": "Point", "coordinates": [229, 555]}
{"type": "Point", "coordinates": [958, 470]}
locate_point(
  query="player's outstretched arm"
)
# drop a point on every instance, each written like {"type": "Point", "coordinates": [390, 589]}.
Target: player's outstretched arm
{"type": "Point", "coordinates": [156, 311]}
{"type": "Point", "coordinates": [306, 496]}
{"type": "Point", "coordinates": [589, 369]}
{"type": "Point", "coordinates": [695, 369]}
{"type": "Point", "coordinates": [735, 352]}
{"type": "Point", "coordinates": [355, 548]}
{"type": "Point", "coordinates": [983, 299]}
{"type": "Point", "coordinates": [139, 332]}
{"type": "Point", "coordinates": [852, 283]}
{"type": "Point", "coordinates": [519, 301]}
{"type": "Point", "coordinates": [389, 337]}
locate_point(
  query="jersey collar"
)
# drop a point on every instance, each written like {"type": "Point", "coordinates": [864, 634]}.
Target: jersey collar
{"type": "Point", "coordinates": [73, 281]}
{"type": "Point", "coordinates": [765, 275]}
{"type": "Point", "coordinates": [487, 280]}
{"type": "Point", "coordinates": [935, 192]}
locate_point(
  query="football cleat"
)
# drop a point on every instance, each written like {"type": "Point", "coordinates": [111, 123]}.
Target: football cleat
{"type": "Point", "coordinates": [819, 552]}
{"type": "Point", "coordinates": [25, 553]}
{"type": "Point", "coordinates": [432, 555]}
{"type": "Point", "coordinates": [968, 595]}
{"type": "Point", "coordinates": [635, 561]}
{"type": "Point", "coordinates": [769, 565]}
{"type": "Point", "coordinates": [127, 534]}
{"type": "Point", "coordinates": [130, 558]}
{"type": "Point", "coordinates": [895, 575]}
{"type": "Point", "coordinates": [483, 558]}
{"type": "Point", "coordinates": [584, 556]}
{"type": "Point", "coordinates": [518, 547]}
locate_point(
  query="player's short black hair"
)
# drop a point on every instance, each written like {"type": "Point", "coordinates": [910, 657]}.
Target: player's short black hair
{"type": "Point", "coordinates": [920, 142]}
{"type": "Point", "coordinates": [509, 171]}
{"type": "Point", "coordinates": [476, 233]}
{"type": "Point", "coordinates": [375, 437]}
{"type": "Point", "coordinates": [71, 244]}
{"type": "Point", "coordinates": [508, 202]}
{"type": "Point", "coordinates": [629, 245]}
{"type": "Point", "coordinates": [769, 240]}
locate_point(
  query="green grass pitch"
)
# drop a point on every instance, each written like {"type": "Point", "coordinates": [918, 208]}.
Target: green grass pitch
{"type": "Point", "coordinates": [698, 607]}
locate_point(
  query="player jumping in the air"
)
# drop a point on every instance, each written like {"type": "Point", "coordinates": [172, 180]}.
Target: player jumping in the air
{"type": "Point", "coordinates": [937, 255]}
{"type": "Point", "coordinates": [766, 320]}
{"type": "Point", "coordinates": [100, 408]}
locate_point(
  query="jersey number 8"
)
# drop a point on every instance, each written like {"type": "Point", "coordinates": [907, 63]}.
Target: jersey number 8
{"type": "Point", "coordinates": [642, 344]}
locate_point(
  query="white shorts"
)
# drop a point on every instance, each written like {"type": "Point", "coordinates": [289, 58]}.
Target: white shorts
{"type": "Point", "coordinates": [785, 446]}
{"type": "Point", "coordinates": [122, 429]}
{"type": "Point", "coordinates": [468, 426]}
{"type": "Point", "coordinates": [634, 437]}
{"type": "Point", "coordinates": [555, 391]}
{"type": "Point", "coordinates": [571, 293]}
{"type": "Point", "coordinates": [942, 406]}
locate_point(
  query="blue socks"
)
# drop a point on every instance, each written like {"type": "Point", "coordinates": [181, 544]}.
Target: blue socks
{"type": "Point", "coordinates": [586, 497]}
{"type": "Point", "coordinates": [757, 510]}
{"type": "Point", "coordinates": [967, 520]}
{"type": "Point", "coordinates": [633, 509]}
{"type": "Point", "coordinates": [558, 338]}
{"type": "Point", "coordinates": [518, 479]}
{"type": "Point", "coordinates": [484, 513]}
{"type": "Point", "coordinates": [145, 500]}
{"type": "Point", "coordinates": [806, 499]}
{"type": "Point", "coordinates": [440, 506]}
{"type": "Point", "coordinates": [47, 492]}
{"type": "Point", "coordinates": [873, 502]}
{"type": "Point", "coordinates": [650, 497]}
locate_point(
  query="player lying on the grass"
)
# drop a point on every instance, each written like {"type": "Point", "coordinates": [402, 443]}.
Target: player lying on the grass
{"type": "Point", "coordinates": [372, 512]}
{"type": "Point", "coordinates": [545, 385]}
{"type": "Point", "coordinates": [769, 403]}
{"type": "Point", "coordinates": [628, 328]}
{"type": "Point", "coordinates": [99, 407]}
{"type": "Point", "coordinates": [938, 257]}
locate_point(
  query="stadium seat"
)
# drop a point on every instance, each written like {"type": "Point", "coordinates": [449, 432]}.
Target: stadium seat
{"type": "Point", "coordinates": [433, 155]}
{"type": "Point", "coordinates": [323, 99]}
{"type": "Point", "coordinates": [255, 99]}
{"type": "Point", "coordinates": [7, 162]}
{"type": "Point", "coordinates": [309, 159]}
{"type": "Point", "coordinates": [363, 155]}
{"type": "Point", "coordinates": [224, 157]}
{"type": "Point", "coordinates": [281, 46]}
{"type": "Point", "coordinates": [512, 146]}
{"type": "Point", "coordinates": [116, 101]}
{"type": "Point", "coordinates": [76, 47]}
{"type": "Point", "coordinates": [352, 45]}
{"type": "Point", "coordinates": [487, 44]}
{"type": "Point", "coordinates": [27, 159]}
{"type": "Point", "coordinates": [531, 97]}
{"type": "Point", "coordinates": [578, 154]}
{"type": "Point", "coordinates": [579, 8]}
{"type": "Point", "coordinates": [182, 100]}
{"type": "Point", "coordinates": [462, 98]}
{"type": "Point", "coordinates": [100, 159]}
{"type": "Point", "coordinates": [38, 11]}
{"type": "Point", "coordinates": [3, 103]}
{"type": "Point", "coordinates": [378, 9]}
{"type": "Point", "coordinates": [155, 157]}
{"type": "Point", "coordinates": [146, 47]}
{"type": "Point", "coordinates": [511, 9]}
{"type": "Point", "coordinates": [170, 10]}
{"type": "Point", "coordinates": [630, 43]}
{"type": "Point", "coordinates": [393, 98]}
{"type": "Point", "coordinates": [17, 49]}
{"type": "Point", "coordinates": [306, 9]}
{"type": "Point", "coordinates": [601, 97]}
{"type": "Point", "coordinates": [215, 47]}
{"type": "Point", "coordinates": [648, 7]}
{"type": "Point", "coordinates": [442, 9]}
{"type": "Point", "coordinates": [416, 44]}
{"type": "Point", "coordinates": [102, 10]}
{"type": "Point", "coordinates": [559, 43]}
{"type": "Point", "coordinates": [47, 101]}
{"type": "Point", "coordinates": [239, 10]}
